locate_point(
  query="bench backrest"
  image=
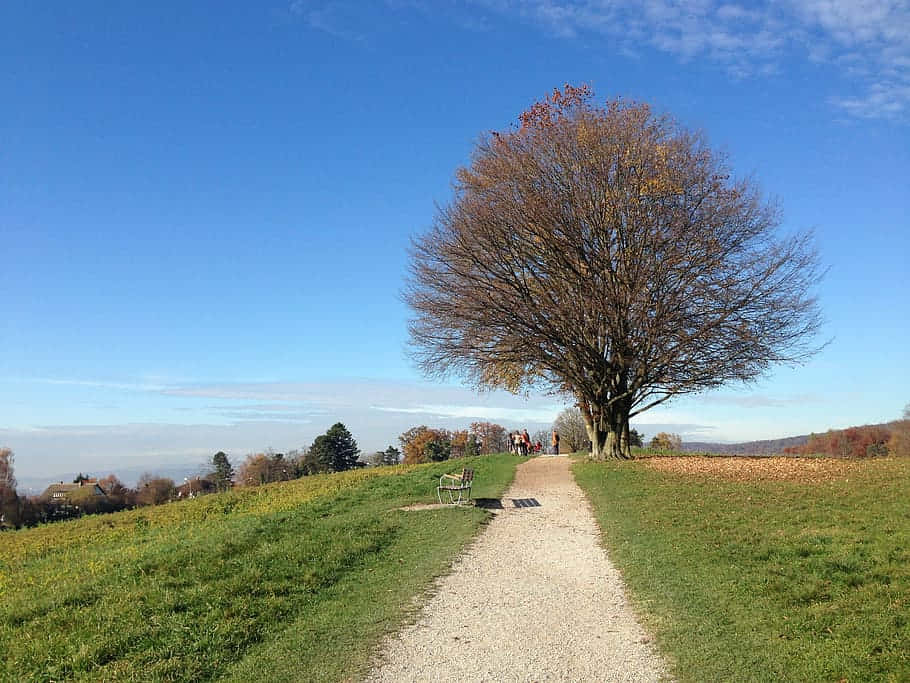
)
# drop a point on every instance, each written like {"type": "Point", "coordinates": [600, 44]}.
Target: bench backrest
{"type": "Point", "coordinates": [467, 476]}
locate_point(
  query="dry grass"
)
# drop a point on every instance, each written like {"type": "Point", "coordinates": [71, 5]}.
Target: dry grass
{"type": "Point", "coordinates": [802, 470]}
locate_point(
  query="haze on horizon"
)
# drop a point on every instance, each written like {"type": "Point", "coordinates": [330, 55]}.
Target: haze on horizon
{"type": "Point", "coordinates": [205, 211]}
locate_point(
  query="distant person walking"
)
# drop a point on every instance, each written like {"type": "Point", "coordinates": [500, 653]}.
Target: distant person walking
{"type": "Point", "coordinates": [554, 443]}
{"type": "Point", "coordinates": [526, 442]}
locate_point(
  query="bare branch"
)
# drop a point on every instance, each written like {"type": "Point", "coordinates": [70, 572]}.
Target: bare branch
{"type": "Point", "coordinates": [606, 253]}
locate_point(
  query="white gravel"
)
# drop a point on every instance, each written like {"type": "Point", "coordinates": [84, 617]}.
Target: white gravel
{"type": "Point", "coordinates": [534, 598]}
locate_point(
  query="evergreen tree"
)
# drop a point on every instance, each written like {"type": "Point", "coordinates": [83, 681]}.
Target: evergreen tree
{"type": "Point", "coordinates": [223, 475]}
{"type": "Point", "coordinates": [391, 456]}
{"type": "Point", "coordinates": [335, 450]}
{"type": "Point", "coordinates": [308, 463]}
{"type": "Point", "coordinates": [320, 453]}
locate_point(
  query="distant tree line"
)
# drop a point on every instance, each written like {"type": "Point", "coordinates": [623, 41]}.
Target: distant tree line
{"type": "Point", "coordinates": [858, 442]}
{"type": "Point", "coordinates": [664, 442]}
{"type": "Point", "coordinates": [334, 451]}
{"type": "Point", "coordinates": [429, 444]}
{"type": "Point", "coordinates": [337, 451]}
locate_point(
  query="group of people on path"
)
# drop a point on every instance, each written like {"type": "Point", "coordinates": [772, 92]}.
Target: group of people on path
{"type": "Point", "coordinates": [520, 443]}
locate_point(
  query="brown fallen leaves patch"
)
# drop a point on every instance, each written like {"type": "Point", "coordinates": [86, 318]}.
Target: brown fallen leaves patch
{"type": "Point", "coordinates": [803, 470]}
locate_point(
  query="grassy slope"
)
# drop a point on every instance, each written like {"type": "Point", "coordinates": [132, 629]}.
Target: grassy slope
{"type": "Point", "coordinates": [293, 581]}
{"type": "Point", "coordinates": [765, 581]}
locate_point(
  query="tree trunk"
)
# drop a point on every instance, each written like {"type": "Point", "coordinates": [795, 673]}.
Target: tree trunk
{"type": "Point", "coordinates": [608, 430]}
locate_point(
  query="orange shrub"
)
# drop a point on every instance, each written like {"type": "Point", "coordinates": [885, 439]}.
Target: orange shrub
{"type": "Point", "coordinates": [851, 442]}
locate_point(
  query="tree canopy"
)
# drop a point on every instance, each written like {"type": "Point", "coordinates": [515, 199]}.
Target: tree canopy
{"type": "Point", "coordinates": [265, 468]}
{"type": "Point", "coordinates": [570, 425]}
{"type": "Point", "coordinates": [8, 494]}
{"type": "Point", "coordinates": [154, 490]}
{"type": "Point", "coordinates": [425, 444]}
{"type": "Point", "coordinates": [491, 437]}
{"type": "Point", "coordinates": [223, 474]}
{"type": "Point", "coordinates": [335, 450]}
{"type": "Point", "coordinates": [606, 253]}
{"type": "Point", "coordinates": [665, 441]}
{"type": "Point", "coordinates": [7, 477]}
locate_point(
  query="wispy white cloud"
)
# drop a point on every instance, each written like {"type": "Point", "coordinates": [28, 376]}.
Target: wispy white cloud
{"type": "Point", "coordinates": [866, 40]}
{"type": "Point", "coordinates": [257, 391]}
{"type": "Point", "coordinates": [240, 418]}
{"type": "Point", "coordinates": [334, 18]}
{"type": "Point", "coordinates": [300, 417]}
{"type": "Point", "coordinates": [243, 417]}
{"type": "Point", "coordinates": [758, 400]}
{"type": "Point", "coordinates": [730, 33]}
{"type": "Point", "coordinates": [871, 37]}
{"type": "Point", "coordinates": [880, 100]}
{"type": "Point", "coordinates": [304, 400]}
{"type": "Point", "coordinates": [543, 414]}
{"type": "Point", "coordinates": [92, 383]}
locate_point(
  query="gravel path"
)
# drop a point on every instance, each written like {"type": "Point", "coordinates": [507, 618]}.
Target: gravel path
{"type": "Point", "coordinates": [534, 598]}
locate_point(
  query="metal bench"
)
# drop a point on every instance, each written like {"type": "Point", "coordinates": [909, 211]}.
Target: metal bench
{"type": "Point", "coordinates": [457, 487]}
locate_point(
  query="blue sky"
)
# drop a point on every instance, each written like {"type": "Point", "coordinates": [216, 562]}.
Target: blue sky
{"type": "Point", "coordinates": [205, 207]}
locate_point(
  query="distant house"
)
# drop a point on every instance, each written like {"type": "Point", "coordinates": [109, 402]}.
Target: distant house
{"type": "Point", "coordinates": [66, 494]}
{"type": "Point", "coordinates": [196, 486]}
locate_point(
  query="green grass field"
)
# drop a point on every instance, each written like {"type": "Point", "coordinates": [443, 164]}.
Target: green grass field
{"type": "Point", "coordinates": [291, 581]}
{"type": "Point", "coordinates": [764, 570]}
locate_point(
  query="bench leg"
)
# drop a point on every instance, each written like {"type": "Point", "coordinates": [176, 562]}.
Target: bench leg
{"type": "Point", "coordinates": [450, 494]}
{"type": "Point", "coordinates": [463, 497]}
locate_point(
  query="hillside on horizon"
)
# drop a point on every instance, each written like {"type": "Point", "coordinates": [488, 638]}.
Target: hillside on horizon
{"type": "Point", "coordinates": [766, 447]}
{"type": "Point", "coordinates": [770, 446]}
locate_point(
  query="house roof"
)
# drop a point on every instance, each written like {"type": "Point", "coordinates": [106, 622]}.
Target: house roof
{"type": "Point", "coordinates": [64, 489]}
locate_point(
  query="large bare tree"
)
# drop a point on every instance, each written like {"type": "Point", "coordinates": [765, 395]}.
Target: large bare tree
{"type": "Point", "coordinates": [605, 252]}
{"type": "Point", "coordinates": [8, 497]}
{"type": "Point", "coordinates": [572, 429]}
{"type": "Point", "coordinates": [7, 477]}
